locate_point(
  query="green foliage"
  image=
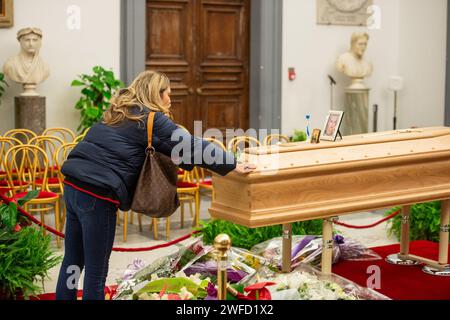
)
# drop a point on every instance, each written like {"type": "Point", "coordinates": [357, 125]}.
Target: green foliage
{"type": "Point", "coordinates": [97, 90]}
{"type": "Point", "coordinates": [298, 136]}
{"type": "Point", "coordinates": [25, 255]}
{"type": "Point", "coordinates": [424, 222]}
{"type": "Point", "coordinates": [246, 238]}
{"type": "Point", "coordinates": [3, 85]}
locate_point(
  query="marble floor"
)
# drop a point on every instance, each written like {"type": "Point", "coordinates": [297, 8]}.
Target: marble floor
{"type": "Point", "coordinates": [118, 262]}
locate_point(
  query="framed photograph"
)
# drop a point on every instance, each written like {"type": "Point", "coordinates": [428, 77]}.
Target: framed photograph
{"type": "Point", "coordinates": [315, 138]}
{"type": "Point", "coordinates": [332, 125]}
{"type": "Point", "coordinates": [6, 13]}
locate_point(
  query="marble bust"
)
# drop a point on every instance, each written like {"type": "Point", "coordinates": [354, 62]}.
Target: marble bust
{"type": "Point", "coordinates": [28, 68]}
{"type": "Point", "coordinates": [352, 62]}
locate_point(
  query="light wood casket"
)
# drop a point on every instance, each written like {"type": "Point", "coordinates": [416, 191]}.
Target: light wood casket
{"type": "Point", "coordinates": [303, 181]}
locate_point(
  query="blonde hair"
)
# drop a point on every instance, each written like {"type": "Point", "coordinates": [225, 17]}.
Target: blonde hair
{"type": "Point", "coordinates": [144, 92]}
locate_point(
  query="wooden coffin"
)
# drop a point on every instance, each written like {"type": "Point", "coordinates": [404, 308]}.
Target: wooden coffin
{"type": "Point", "coordinates": [304, 181]}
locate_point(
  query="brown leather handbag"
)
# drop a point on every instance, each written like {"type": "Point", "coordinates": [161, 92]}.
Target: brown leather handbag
{"type": "Point", "coordinates": [156, 191]}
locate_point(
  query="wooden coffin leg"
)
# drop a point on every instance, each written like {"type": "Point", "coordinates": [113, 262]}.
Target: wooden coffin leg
{"type": "Point", "coordinates": [327, 250]}
{"type": "Point", "coordinates": [287, 248]}
{"type": "Point", "coordinates": [402, 258]}
{"type": "Point", "coordinates": [444, 268]}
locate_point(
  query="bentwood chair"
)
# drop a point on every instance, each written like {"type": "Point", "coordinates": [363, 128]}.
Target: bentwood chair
{"type": "Point", "coordinates": [23, 135]}
{"type": "Point", "coordinates": [60, 157]}
{"type": "Point", "coordinates": [50, 145]}
{"type": "Point", "coordinates": [5, 145]}
{"type": "Point", "coordinates": [79, 138]}
{"type": "Point", "coordinates": [275, 137]}
{"type": "Point", "coordinates": [236, 143]}
{"type": "Point", "coordinates": [28, 161]}
{"type": "Point", "coordinates": [64, 134]}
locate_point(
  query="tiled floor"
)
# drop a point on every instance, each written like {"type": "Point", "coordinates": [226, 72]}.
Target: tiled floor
{"type": "Point", "coordinates": [369, 237]}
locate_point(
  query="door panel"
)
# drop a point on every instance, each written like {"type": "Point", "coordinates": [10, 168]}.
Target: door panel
{"type": "Point", "coordinates": [169, 50]}
{"type": "Point", "coordinates": [223, 66]}
{"type": "Point", "coordinates": [202, 45]}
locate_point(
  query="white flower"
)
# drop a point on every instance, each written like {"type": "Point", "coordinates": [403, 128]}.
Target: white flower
{"type": "Point", "coordinates": [185, 294]}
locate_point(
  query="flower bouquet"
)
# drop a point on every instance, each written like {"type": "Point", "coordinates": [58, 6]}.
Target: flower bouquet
{"type": "Point", "coordinates": [308, 250]}
{"type": "Point", "coordinates": [191, 274]}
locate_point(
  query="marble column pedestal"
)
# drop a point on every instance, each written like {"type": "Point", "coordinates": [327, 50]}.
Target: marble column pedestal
{"type": "Point", "coordinates": [30, 113]}
{"type": "Point", "coordinates": [356, 118]}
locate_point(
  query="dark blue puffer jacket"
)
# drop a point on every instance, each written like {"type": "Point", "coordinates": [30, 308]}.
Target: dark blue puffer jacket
{"type": "Point", "coordinates": [109, 160]}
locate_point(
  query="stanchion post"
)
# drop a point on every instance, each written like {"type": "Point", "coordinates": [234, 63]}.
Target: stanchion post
{"type": "Point", "coordinates": [222, 243]}
{"type": "Point", "coordinates": [444, 233]}
{"type": "Point", "coordinates": [287, 248]}
{"type": "Point", "coordinates": [327, 250]}
{"type": "Point", "coordinates": [404, 244]}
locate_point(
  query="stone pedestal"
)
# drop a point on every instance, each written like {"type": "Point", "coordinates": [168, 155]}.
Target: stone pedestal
{"type": "Point", "coordinates": [356, 118]}
{"type": "Point", "coordinates": [30, 113]}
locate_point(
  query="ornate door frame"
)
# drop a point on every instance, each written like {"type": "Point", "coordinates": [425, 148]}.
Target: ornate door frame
{"type": "Point", "coordinates": [265, 56]}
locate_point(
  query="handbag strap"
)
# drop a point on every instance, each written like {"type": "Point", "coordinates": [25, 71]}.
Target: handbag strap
{"type": "Point", "coordinates": [151, 120]}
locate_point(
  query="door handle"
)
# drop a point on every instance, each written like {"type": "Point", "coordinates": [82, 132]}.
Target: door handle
{"type": "Point", "coordinates": [191, 91]}
{"type": "Point", "coordinates": [199, 91]}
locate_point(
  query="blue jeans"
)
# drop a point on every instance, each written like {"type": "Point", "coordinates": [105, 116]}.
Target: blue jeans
{"type": "Point", "coordinates": [90, 231]}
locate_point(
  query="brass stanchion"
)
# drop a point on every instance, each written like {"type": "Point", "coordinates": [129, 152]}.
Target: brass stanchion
{"type": "Point", "coordinates": [222, 243]}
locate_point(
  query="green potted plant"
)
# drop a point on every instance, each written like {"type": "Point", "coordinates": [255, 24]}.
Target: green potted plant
{"type": "Point", "coordinates": [246, 238]}
{"type": "Point", "coordinates": [425, 222]}
{"type": "Point", "coordinates": [3, 85]}
{"type": "Point", "coordinates": [298, 136]}
{"type": "Point", "coordinates": [25, 253]}
{"type": "Point", "coordinates": [97, 90]}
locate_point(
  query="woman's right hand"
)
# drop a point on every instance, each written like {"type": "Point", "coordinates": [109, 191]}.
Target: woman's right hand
{"type": "Point", "coordinates": [245, 168]}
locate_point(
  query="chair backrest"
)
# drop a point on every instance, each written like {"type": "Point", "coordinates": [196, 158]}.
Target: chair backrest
{"type": "Point", "coordinates": [79, 138]}
{"type": "Point", "coordinates": [243, 141]}
{"type": "Point", "coordinates": [275, 137]}
{"type": "Point", "coordinates": [64, 134]}
{"type": "Point", "coordinates": [24, 135]}
{"type": "Point", "coordinates": [27, 163]}
{"type": "Point", "coordinates": [217, 142]}
{"type": "Point", "coordinates": [50, 145]}
{"type": "Point", "coordinates": [60, 157]}
{"type": "Point", "coordinates": [5, 145]}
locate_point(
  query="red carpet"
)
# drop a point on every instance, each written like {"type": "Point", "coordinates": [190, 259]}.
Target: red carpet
{"type": "Point", "coordinates": [401, 282]}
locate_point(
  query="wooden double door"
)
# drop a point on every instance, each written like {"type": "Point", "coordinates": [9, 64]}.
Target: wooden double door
{"type": "Point", "coordinates": [203, 47]}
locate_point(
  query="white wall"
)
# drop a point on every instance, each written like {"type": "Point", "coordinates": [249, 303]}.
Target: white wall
{"type": "Point", "coordinates": [422, 58]}
{"type": "Point", "coordinates": [68, 52]}
{"type": "Point", "coordinates": [411, 42]}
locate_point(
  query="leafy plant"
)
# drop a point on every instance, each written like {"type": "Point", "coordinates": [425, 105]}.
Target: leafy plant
{"type": "Point", "coordinates": [96, 95]}
{"type": "Point", "coordinates": [25, 255]}
{"type": "Point", "coordinates": [424, 222]}
{"type": "Point", "coordinates": [8, 213]}
{"type": "Point", "coordinates": [298, 136]}
{"type": "Point", "coordinates": [246, 238]}
{"type": "Point", "coordinates": [3, 85]}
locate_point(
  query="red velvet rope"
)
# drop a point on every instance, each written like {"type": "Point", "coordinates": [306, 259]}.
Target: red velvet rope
{"type": "Point", "coordinates": [171, 243]}
{"type": "Point", "coordinates": [370, 225]}
{"type": "Point", "coordinates": [61, 235]}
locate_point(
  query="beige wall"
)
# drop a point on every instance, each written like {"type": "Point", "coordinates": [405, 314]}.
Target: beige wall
{"type": "Point", "coordinates": [68, 52]}
{"type": "Point", "coordinates": [410, 43]}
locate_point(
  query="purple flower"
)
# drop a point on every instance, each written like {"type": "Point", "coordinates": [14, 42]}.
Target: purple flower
{"type": "Point", "coordinates": [212, 292]}
{"type": "Point", "coordinates": [339, 239]}
{"type": "Point", "coordinates": [209, 268]}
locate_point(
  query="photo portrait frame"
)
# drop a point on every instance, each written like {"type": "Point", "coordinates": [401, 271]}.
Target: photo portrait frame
{"type": "Point", "coordinates": [315, 138]}
{"type": "Point", "coordinates": [6, 13]}
{"type": "Point", "coordinates": [332, 125]}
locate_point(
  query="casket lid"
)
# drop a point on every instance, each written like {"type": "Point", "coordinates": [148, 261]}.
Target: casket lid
{"type": "Point", "coordinates": [384, 146]}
